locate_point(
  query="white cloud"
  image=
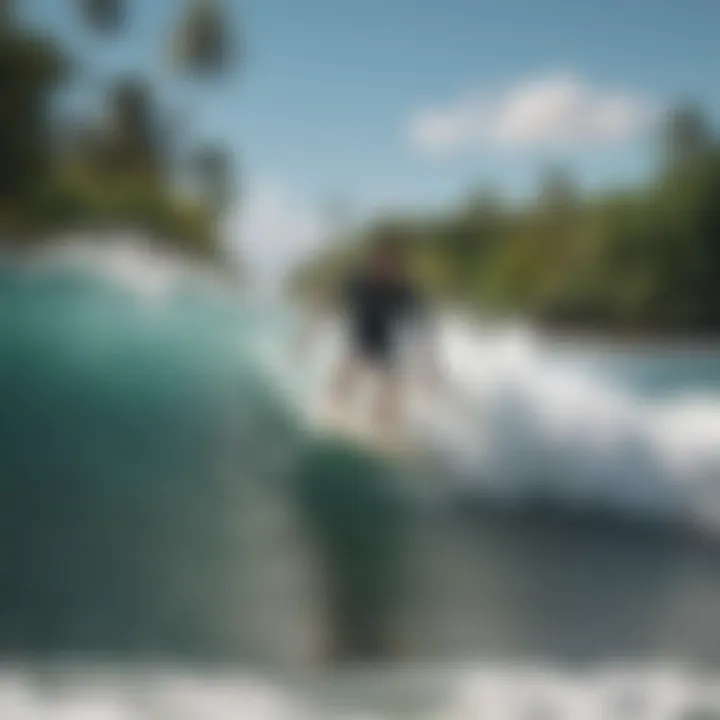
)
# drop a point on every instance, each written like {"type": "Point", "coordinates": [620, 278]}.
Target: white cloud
{"type": "Point", "coordinates": [272, 229]}
{"type": "Point", "coordinates": [555, 111]}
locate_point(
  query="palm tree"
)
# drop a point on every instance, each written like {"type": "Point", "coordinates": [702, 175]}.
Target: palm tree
{"type": "Point", "coordinates": [106, 16]}
{"type": "Point", "coordinates": [687, 134]}
{"type": "Point", "coordinates": [131, 140]}
{"type": "Point", "coordinates": [30, 68]}
{"type": "Point", "coordinates": [7, 10]}
{"type": "Point", "coordinates": [201, 44]}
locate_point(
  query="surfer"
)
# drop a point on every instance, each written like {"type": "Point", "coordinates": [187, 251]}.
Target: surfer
{"type": "Point", "coordinates": [378, 303]}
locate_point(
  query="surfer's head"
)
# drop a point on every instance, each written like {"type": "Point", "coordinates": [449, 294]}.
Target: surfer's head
{"type": "Point", "coordinates": [387, 254]}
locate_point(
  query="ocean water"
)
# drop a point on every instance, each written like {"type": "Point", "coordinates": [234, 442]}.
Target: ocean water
{"type": "Point", "coordinates": [175, 542]}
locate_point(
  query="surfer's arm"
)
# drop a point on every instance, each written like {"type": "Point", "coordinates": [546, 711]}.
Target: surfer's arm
{"type": "Point", "coordinates": [319, 313]}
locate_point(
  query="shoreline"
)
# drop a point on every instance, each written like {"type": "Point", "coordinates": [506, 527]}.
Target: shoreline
{"type": "Point", "coordinates": [633, 340]}
{"type": "Point", "coordinates": [589, 335]}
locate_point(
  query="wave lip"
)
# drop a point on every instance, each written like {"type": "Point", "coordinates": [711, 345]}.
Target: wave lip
{"type": "Point", "coordinates": [129, 261]}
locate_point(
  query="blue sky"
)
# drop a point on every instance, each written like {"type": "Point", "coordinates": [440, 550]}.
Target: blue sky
{"type": "Point", "coordinates": [325, 105]}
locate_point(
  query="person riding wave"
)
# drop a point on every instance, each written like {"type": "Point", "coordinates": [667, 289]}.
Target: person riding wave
{"type": "Point", "coordinates": [378, 303]}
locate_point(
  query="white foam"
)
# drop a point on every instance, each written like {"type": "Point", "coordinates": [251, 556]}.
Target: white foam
{"type": "Point", "coordinates": [531, 423]}
{"type": "Point", "coordinates": [653, 693]}
{"type": "Point", "coordinates": [487, 691]}
{"type": "Point", "coordinates": [118, 695]}
{"type": "Point", "coordinates": [514, 421]}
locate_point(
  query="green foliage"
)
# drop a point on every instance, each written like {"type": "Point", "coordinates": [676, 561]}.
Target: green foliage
{"type": "Point", "coordinates": [644, 259]}
{"type": "Point", "coordinates": [118, 174]}
{"type": "Point", "coordinates": [202, 44]}
{"type": "Point", "coordinates": [105, 16]}
{"type": "Point", "coordinates": [687, 135]}
{"type": "Point", "coordinates": [30, 68]}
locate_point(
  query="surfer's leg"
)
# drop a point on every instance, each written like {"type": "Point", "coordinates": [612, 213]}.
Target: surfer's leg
{"type": "Point", "coordinates": [344, 383]}
{"type": "Point", "coordinates": [388, 400]}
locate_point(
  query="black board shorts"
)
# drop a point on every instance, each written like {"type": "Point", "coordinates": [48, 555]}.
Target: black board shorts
{"type": "Point", "coordinates": [376, 311]}
{"type": "Point", "coordinates": [379, 352]}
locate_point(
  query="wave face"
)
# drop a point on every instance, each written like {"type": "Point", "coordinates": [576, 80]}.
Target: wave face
{"type": "Point", "coordinates": [143, 460]}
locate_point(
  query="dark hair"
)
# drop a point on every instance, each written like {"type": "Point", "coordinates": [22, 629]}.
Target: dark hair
{"type": "Point", "coordinates": [388, 242]}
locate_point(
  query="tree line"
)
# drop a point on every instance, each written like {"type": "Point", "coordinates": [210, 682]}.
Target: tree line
{"type": "Point", "coordinates": [124, 163]}
{"type": "Point", "coordinates": [643, 259]}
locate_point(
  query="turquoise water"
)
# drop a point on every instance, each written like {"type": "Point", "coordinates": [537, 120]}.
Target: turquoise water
{"type": "Point", "coordinates": [161, 498]}
{"type": "Point", "coordinates": [130, 463]}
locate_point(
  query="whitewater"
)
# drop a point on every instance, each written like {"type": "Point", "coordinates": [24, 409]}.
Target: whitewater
{"type": "Point", "coordinates": [461, 693]}
{"type": "Point", "coordinates": [516, 419]}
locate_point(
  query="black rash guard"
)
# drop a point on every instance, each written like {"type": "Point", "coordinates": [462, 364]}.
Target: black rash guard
{"type": "Point", "coordinates": [376, 308]}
